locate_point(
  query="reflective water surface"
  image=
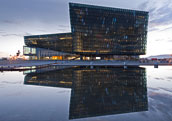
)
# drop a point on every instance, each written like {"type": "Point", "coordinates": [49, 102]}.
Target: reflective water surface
{"type": "Point", "coordinates": [87, 93]}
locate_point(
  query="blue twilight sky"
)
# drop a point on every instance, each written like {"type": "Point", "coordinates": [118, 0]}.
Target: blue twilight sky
{"type": "Point", "coordinates": [28, 17]}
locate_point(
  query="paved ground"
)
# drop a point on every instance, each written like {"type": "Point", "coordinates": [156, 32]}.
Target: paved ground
{"type": "Point", "coordinates": [21, 63]}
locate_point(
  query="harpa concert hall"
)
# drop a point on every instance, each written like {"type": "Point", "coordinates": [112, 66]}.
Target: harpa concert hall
{"type": "Point", "coordinates": [96, 33]}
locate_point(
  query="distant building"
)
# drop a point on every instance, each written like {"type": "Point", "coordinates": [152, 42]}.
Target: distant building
{"type": "Point", "coordinates": [96, 33]}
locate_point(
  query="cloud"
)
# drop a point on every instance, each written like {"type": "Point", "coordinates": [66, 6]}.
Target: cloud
{"type": "Point", "coordinates": [6, 35]}
{"type": "Point", "coordinates": [159, 12]}
{"type": "Point", "coordinates": [166, 29]}
{"type": "Point", "coordinates": [3, 54]}
{"type": "Point", "coordinates": [27, 34]}
{"type": "Point", "coordinates": [153, 29]}
{"type": "Point", "coordinates": [63, 26]}
{"type": "Point", "coordinates": [62, 30]}
{"type": "Point", "coordinates": [159, 40]}
{"type": "Point", "coordinates": [169, 77]}
{"type": "Point", "coordinates": [170, 41]}
{"type": "Point", "coordinates": [10, 22]}
{"type": "Point", "coordinates": [2, 31]}
{"type": "Point", "coordinates": [41, 30]}
{"type": "Point", "coordinates": [18, 35]}
{"type": "Point", "coordinates": [143, 5]}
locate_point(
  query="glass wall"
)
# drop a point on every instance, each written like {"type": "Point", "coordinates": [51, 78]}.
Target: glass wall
{"type": "Point", "coordinates": [46, 54]}
{"type": "Point", "coordinates": [102, 30]}
{"type": "Point", "coordinates": [57, 42]}
{"type": "Point", "coordinates": [29, 50]}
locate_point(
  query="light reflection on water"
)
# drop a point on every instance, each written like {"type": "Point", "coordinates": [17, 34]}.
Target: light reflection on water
{"type": "Point", "coordinates": [80, 93]}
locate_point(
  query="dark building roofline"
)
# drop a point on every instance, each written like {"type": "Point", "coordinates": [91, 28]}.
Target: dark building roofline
{"type": "Point", "coordinates": [48, 34]}
{"type": "Point", "coordinates": [105, 8]}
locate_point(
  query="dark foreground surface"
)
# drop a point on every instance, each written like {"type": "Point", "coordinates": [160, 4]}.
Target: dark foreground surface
{"type": "Point", "coordinates": [87, 94]}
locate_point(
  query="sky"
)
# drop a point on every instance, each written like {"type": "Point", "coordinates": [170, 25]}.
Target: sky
{"type": "Point", "coordinates": [19, 18]}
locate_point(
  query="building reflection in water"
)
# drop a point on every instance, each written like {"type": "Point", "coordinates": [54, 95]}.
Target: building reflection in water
{"type": "Point", "coordinates": [98, 91]}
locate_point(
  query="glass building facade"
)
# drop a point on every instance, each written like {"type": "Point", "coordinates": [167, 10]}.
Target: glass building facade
{"type": "Point", "coordinates": [102, 30]}
{"type": "Point", "coordinates": [49, 47]}
{"type": "Point", "coordinates": [99, 32]}
{"type": "Point", "coordinates": [57, 42]}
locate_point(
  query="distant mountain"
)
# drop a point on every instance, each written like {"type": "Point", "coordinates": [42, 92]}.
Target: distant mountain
{"type": "Point", "coordinates": [160, 56]}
